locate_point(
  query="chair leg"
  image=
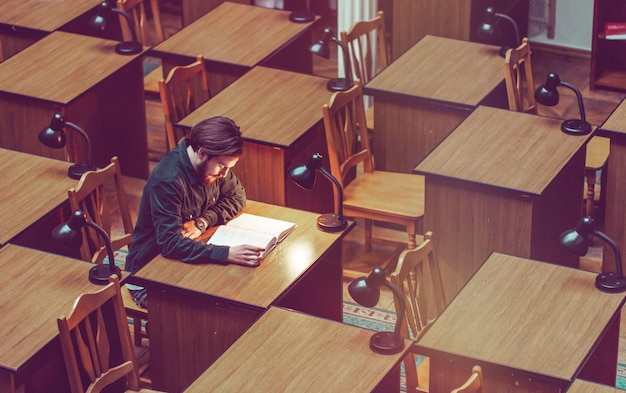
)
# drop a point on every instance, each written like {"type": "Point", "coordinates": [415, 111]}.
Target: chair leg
{"type": "Point", "coordinates": [591, 183]}
{"type": "Point", "coordinates": [411, 232]}
{"type": "Point", "coordinates": [367, 226]}
{"type": "Point", "coordinates": [138, 334]}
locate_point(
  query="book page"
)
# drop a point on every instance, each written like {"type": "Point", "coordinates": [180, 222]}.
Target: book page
{"type": "Point", "coordinates": [233, 236]}
{"type": "Point", "coordinates": [270, 226]}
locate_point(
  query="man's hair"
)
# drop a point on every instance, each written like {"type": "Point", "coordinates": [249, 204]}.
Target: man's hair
{"type": "Point", "coordinates": [217, 136]}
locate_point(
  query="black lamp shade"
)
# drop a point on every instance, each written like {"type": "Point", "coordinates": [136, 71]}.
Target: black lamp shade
{"type": "Point", "coordinates": [487, 29]}
{"type": "Point", "coordinates": [547, 94]}
{"type": "Point", "coordinates": [68, 233]}
{"type": "Point", "coordinates": [53, 136]}
{"type": "Point", "coordinates": [577, 240]}
{"type": "Point", "coordinates": [322, 47]}
{"type": "Point", "coordinates": [304, 175]}
{"type": "Point", "coordinates": [366, 290]}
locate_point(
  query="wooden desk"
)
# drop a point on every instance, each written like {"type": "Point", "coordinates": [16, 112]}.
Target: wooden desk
{"type": "Point", "coordinates": [531, 326]}
{"type": "Point", "coordinates": [194, 9]}
{"type": "Point", "coordinates": [34, 186]}
{"type": "Point", "coordinates": [198, 311]}
{"type": "Point", "coordinates": [35, 289]}
{"type": "Point", "coordinates": [615, 211]}
{"type": "Point", "coordinates": [581, 386]}
{"type": "Point", "coordinates": [233, 38]}
{"type": "Point", "coordinates": [502, 181]}
{"type": "Point", "coordinates": [423, 95]}
{"type": "Point", "coordinates": [289, 351]}
{"type": "Point", "coordinates": [23, 22]}
{"type": "Point", "coordinates": [92, 86]}
{"type": "Point", "coordinates": [280, 115]}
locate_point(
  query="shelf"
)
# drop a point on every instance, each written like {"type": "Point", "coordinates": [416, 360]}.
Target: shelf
{"type": "Point", "coordinates": [612, 80]}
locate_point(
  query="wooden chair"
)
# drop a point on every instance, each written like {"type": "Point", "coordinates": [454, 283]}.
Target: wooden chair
{"type": "Point", "coordinates": [96, 343]}
{"type": "Point", "coordinates": [474, 383]}
{"type": "Point", "coordinates": [418, 278]}
{"type": "Point", "coordinates": [184, 89]}
{"type": "Point", "coordinates": [93, 196]}
{"type": "Point", "coordinates": [369, 55]}
{"type": "Point", "coordinates": [137, 11]}
{"type": "Point", "coordinates": [390, 197]}
{"type": "Point", "coordinates": [520, 89]}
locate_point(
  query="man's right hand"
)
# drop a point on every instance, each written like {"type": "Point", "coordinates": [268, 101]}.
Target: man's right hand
{"type": "Point", "coordinates": [245, 255]}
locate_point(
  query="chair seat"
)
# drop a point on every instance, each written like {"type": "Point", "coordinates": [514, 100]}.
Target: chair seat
{"type": "Point", "coordinates": [393, 194]}
{"type": "Point", "coordinates": [598, 149]}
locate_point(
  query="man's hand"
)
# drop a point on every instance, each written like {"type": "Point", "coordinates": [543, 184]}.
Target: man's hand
{"type": "Point", "coordinates": [190, 230]}
{"type": "Point", "coordinates": [245, 255]}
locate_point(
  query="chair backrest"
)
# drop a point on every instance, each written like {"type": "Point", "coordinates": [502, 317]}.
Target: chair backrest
{"type": "Point", "coordinates": [100, 194]}
{"type": "Point", "coordinates": [136, 9]}
{"type": "Point", "coordinates": [96, 342]}
{"type": "Point", "coordinates": [184, 89]}
{"type": "Point", "coordinates": [474, 383]}
{"type": "Point", "coordinates": [518, 74]}
{"type": "Point", "coordinates": [367, 44]}
{"type": "Point", "coordinates": [418, 277]}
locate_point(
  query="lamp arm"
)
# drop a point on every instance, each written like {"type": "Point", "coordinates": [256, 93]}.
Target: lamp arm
{"type": "Point", "coordinates": [347, 65]}
{"type": "Point", "coordinates": [579, 96]}
{"type": "Point", "coordinates": [107, 243]}
{"type": "Point", "coordinates": [618, 255]}
{"type": "Point", "coordinates": [131, 25]}
{"type": "Point", "coordinates": [398, 295]}
{"type": "Point", "coordinates": [339, 190]}
{"type": "Point", "coordinates": [512, 21]}
{"type": "Point", "coordinates": [84, 134]}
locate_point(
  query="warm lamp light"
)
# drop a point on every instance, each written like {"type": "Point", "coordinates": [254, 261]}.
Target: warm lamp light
{"type": "Point", "coordinates": [548, 95]}
{"type": "Point", "coordinates": [322, 48]}
{"type": "Point", "coordinates": [366, 292]}
{"type": "Point", "coordinates": [70, 236]}
{"type": "Point", "coordinates": [302, 16]}
{"type": "Point", "coordinates": [304, 176]}
{"type": "Point", "coordinates": [488, 30]}
{"type": "Point", "coordinates": [577, 241]}
{"type": "Point", "coordinates": [53, 136]}
{"type": "Point", "coordinates": [99, 22]}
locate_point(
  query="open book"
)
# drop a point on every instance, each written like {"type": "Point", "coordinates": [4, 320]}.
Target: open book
{"type": "Point", "coordinates": [252, 229]}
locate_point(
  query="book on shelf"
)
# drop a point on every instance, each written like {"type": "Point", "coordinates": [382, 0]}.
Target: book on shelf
{"type": "Point", "coordinates": [251, 229]}
{"type": "Point", "coordinates": [615, 30]}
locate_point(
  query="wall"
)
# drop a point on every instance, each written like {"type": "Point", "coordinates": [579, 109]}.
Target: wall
{"type": "Point", "coordinates": [573, 26]}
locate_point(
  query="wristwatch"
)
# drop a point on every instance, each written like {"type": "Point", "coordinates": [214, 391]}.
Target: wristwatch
{"type": "Point", "coordinates": [201, 224]}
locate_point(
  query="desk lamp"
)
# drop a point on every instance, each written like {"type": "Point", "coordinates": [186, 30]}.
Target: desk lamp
{"type": "Point", "coordinates": [304, 176]}
{"type": "Point", "coordinates": [302, 16]}
{"type": "Point", "coordinates": [53, 136]}
{"type": "Point", "coordinates": [366, 292]}
{"type": "Point", "coordinates": [322, 48]}
{"type": "Point", "coordinates": [99, 22]}
{"type": "Point", "coordinates": [488, 30]}
{"type": "Point", "coordinates": [69, 235]}
{"type": "Point", "coordinates": [577, 241]}
{"type": "Point", "coordinates": [548, 95]}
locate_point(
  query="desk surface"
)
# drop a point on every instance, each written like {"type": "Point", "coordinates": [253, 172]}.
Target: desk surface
{"type": "Point", "coordinates": [235, 34]}
{"type": "Point", "coordinates": [33, 187]}
{"type": "Point", "coordinates": [60, 67]}
{"type": "Point", "coordinates": [523, 314]}
{"type": "Point", "coordinates": [505, 149]}
{"type": "Point", "coordinates": [45, 15]}
{"type": "Point", "coordinates": [290, 351]}
{"type": "Point", "coordinates": [581, 386]}
{"type": "Point", "coordinates": [272, 106]}
{"type": "Point", "coordinates": [615, 125]}
{"type": "Point", "coordinates": [442, 69]}
{"type": "Point", "coordinates": [36, 288]}
{"type": "Point", "coordinates": [258, 286]}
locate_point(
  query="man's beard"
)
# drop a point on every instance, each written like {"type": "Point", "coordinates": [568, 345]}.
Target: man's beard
{"type": "Point", "coordinates": [202, 170]}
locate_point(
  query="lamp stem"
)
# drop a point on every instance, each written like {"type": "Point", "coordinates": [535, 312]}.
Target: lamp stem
{"type": "Point", "coordinates": [618, 255]}
{"type": "Point", "coordinates": [131, 25]}
{"type": "Point", "coordinates": [84, 134]}
{"type": "Point", "coordinates": [505, 16]}
{"type": "Point", "coordinates": [346, 60]}
{"type": "Point", "coordinates": [579, 96]}
{"type": "Point", "coordinates": [330, 177]}
{"type": "Point", "coordinates": [398, 295]}
{"type": "Point", "coordinates": [107, 243]}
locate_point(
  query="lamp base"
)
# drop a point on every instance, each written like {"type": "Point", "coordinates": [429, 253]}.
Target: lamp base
{"type": "Point", "coordinates": [386, 343]}
{"type": "Point", "coordinates": [301, 16]}
{"type": "Point", "coordinates": [329, 222]}
{"type": "Point", "coordinates": [339, 84]}
{"type": "Point", "coordinates": [576, 127]}
{"type": "Point", "coordinates": [611, 283]}
{"type": "Point", "coordinates": [100, 274]}
{"type": "Point", "coordinates": [76, 171]}
{"type": "Point", "coordinates": [128, 48]}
